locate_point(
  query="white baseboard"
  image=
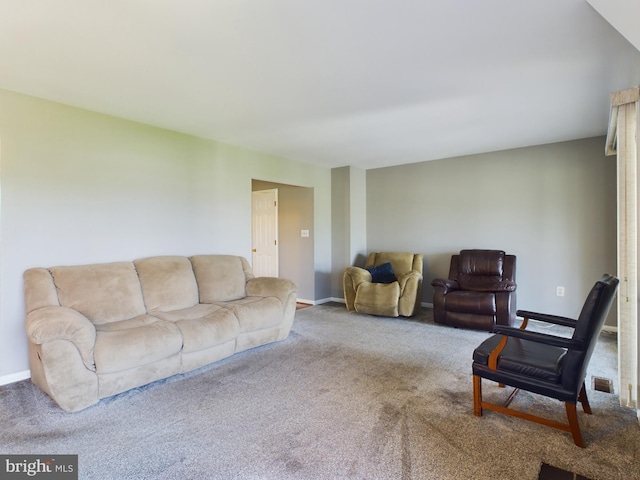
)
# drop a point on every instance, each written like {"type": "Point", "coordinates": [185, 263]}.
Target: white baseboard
{"type": "Point", "coordinates": [610, 329]}
{"type": "Point", "coordinates": [342, 300]}
{"type": "Point", "coordinates": [306, 302]}
{"type": "Point", "coordinates": [321, 301]}
{"type": "Point", "coordinates": [15, 377]}
{"type": "Point", "coordinates": [334, 299]}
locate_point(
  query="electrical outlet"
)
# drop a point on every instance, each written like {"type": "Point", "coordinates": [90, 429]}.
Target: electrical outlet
{"type": "Point", "coordinates": [560, 291]}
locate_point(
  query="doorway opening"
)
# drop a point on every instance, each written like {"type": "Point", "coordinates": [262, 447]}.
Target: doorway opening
{"type": "Point", "coordinates": [293, 235]}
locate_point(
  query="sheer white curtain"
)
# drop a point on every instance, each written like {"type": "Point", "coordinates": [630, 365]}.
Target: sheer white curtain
{"type": "Point", "coordinates": [622, 139]}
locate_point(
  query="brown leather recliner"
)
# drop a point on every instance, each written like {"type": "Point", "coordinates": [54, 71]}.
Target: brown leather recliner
{"type": "Point", "coordinates": [480, 291]}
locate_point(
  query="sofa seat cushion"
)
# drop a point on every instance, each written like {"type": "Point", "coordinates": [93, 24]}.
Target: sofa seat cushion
{"type": "Point", "coordinates": [478, 303]}
{"type": "Point", "coordinates": [256, 313]}
{"type": "Point", "coordinates": [132, 343]}
{"type": "Point", "coordinates": [203, 326]}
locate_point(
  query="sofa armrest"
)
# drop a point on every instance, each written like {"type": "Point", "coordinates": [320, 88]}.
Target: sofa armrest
{"type": "Point", "coordinates": [60, 323]}
{"type": "Point", "coordinates": [271, 287]}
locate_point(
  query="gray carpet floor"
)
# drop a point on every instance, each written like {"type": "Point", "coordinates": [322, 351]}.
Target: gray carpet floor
{"type": "Point", "coordinates": [346, 396]}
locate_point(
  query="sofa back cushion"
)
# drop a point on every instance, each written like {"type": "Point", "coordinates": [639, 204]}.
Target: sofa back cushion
{"type": "Point", "coordinates": [221, 278]}
{"type": "Point", "coordinates": [168, 283]}
{"type": "Point", "coordinates": [104, 293]}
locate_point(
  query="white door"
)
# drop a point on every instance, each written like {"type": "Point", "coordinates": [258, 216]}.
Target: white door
{"type": "Point", "coordinates": [264, 233]}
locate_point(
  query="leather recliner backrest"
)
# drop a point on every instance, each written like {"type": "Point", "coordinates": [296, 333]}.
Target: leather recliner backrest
{"type": "Point", "coordinates": [478, 269]}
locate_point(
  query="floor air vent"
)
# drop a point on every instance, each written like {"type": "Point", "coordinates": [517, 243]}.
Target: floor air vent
{"type": "Point", "coordinates": [602, 384]}
{"type": "Point", "coordinates": [547, 472]}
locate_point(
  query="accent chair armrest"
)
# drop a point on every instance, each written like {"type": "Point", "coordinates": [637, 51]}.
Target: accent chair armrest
{"type": "Point", "coordinates": [538, 337]}
{"type": "Point", "coordinates": [555, 319]}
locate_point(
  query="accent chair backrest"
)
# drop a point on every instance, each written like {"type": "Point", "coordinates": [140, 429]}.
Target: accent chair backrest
{"type": "Point", "coordinates": [592, 317]}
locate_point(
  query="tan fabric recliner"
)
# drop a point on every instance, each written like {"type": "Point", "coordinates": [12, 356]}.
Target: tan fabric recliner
{"type": "Point", "coordinates": [399, 297]}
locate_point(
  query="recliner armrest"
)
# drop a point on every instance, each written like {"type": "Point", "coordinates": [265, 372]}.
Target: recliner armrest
{"type": "Point", "coordinates": [409, 278]}
{"type": "Point", "coordinates": [538, 337]}
{"type": "Point", "coordinates": [484, 285]}
{"type": "Point", "coordinates": [555, 319]}
{"type": "Point", "coordinates": [358, 275]}
{"type": "Point", "coordinates": [403, 278]}
{"type": "Point", "coordinates": [446, 284]}
{"type": "Point", "coordinates": [504, 286]}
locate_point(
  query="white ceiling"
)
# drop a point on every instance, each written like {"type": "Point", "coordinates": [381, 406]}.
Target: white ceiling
{"type": "Point", "coordinates": [367, 83]}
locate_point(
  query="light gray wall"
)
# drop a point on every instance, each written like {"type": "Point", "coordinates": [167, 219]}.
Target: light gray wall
{"type": "Point", "coordinates": [79, 187]}
{"type": "Point", "coordinates": [295, 213]}
{"type": "Point", "coordinates": [554, 206]}
{"type": "Point", "coordinates": [340, 238]}
{"type": "Point", "coordinates": [348, 220]}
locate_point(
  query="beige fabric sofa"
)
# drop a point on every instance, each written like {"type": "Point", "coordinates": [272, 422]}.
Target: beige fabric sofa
{"type": "Point", "coordinates": [98, 330]}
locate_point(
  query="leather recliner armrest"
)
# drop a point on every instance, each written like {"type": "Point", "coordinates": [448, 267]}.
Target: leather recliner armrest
{"type": "Point", "coordinates": [446, 284]}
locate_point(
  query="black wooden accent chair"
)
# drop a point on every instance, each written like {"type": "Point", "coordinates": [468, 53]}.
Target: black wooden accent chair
{"type": "Point", "coordinates": [545, 364]}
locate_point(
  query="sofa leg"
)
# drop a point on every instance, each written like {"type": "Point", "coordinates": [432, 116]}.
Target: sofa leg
{"type": "Point", "coordinates": [477, 396]}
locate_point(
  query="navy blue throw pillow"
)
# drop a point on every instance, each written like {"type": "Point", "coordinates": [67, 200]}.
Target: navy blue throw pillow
{"type": "Point", "coordinates": [382, 274]}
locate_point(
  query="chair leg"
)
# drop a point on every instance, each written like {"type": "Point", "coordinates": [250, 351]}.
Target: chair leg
{"type": "Point", "coordinates": [477, 396]}
{"type": "Point", "coordinates": [584, 401]}
{"type": "Point", "coordinates": [572, 415]}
